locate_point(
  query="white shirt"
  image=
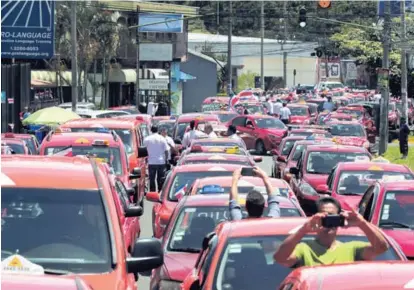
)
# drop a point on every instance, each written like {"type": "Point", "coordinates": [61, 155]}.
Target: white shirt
{"type": "Point", "coordinates": [285, 113]}
{"type": "Point", "coordinates": [276, 107]}
{"type": "Point", "coordinates": [270, 107]}
{"type": "Point", "coordinates": [170, 143]}
{"type": "Point", "coordinates": [212, 135]}
{"type": "Point", "coordinates": [151, 108]}
{"type": "Point", "coordinates": [377, 98]}
{"type": "Point", "coordinates": [156, 147]}
{"type": "Point", "coordinates": [237, 137]}
{"type": "Point", "coordinates": [190, 136]}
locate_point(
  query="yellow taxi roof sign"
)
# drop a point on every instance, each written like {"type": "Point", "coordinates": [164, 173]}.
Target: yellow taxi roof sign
{"type": "Point", "coordinates": [375, 168]}
{"type": "Point", "coordinates": [82, 141]}
{"type": "Point", "coordinates": [234, 150]}
{"type": "Point", "coordinates": [15, 262]}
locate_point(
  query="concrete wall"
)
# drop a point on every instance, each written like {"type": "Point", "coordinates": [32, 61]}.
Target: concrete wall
{"type": "Point", "coordinates": [195, 91]}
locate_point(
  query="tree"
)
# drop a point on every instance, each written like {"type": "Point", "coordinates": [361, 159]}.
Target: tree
{"type": "Point", "coordinates": [245, 80]}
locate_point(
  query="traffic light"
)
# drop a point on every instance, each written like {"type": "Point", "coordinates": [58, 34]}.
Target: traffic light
{"type": "Point", "coordinates": [302, 17]}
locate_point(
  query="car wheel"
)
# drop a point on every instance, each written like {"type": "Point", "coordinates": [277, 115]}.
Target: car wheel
{"type": "Point", "coordinates": [260, 147]}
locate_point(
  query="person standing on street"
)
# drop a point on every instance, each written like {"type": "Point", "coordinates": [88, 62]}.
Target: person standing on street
{"type": "Point", "coordinates": [276, 107]}
{"type": "Point", "coordinates": [403, 138]}
{"type": "Point", "coordinates": [157, 148]}
{"type": "Point", "coordinates": [285, 114]}
{"type": "Point", "coordinates": [152, 108]}
{"type": "Point", "coordinates": [208, 129]}
{"type": "Point", "coordinates": [172, 152]}
{"type": "Point", "coordinates": [192, 134]}
{"type": "Point", "coordinates": [328, 105]}
{"type": "Point", "coordinates": [232, 134]}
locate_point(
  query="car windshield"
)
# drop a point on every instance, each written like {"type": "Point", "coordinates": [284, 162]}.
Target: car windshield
{"type": "Point", "coordinates": [211, 107]}
{"type": "Point", "coordinates": [298, 111]}
{"type": "Point", "coordinates": [62, 229]}
{"type": "Point", "coordinates": [193, 223]}
{"type": "Point", "coordinates": [31, 144]}
{"type": "Point", "coordinates": [287, 147]}
{"type": "Point", "coordinates": [269, 123]}
{"type": "Point", "coordinates": [323, 162]}
{"type": "Point", "coordinates": [17, 148]}
{"type": "Point", "coordinates": [212, 143]}
{"type": "Point", "coordinates": [399, 106]}
{"type": "Point", "coordinates": [253, 257]}
{"type": "Point", "coordinates": [398, 209]}
{"type": "Point", "coordinates": [333, 85]}
{"type": "Point", "coordinates": [347, 130]}
{"type": "Point", "coordinates": [183, 180]}
{"type": "Point", "coordinates": [169, 126]}
{"type": "Point", "coordinates": [254, 109]}
{"type": "Point", "coordinates": [357, 182]}
{"type": "Point", "coordinates": [227, 161]}
{"type": "Point", "coordinates": [224, 118]}
{"type": "Point", "coordinates": [110, 155]}
{"type": "Point", "coordinates": [297, 152]}
{"type": "Point", "coordinates": [124, 134]}
{"type": "Point", "coordinates": [310, 133]}
{"type": "Point", "coordinates": [353, 113]}
{"type": "Point", "coordinates": [242, 189]}
{"type": "Point", "coordinates": [180, 131]}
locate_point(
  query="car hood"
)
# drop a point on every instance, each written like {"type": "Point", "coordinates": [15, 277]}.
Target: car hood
{"type": "Point", "coordinates": [349, 202]}
{"type": "Point", "coordinates": [348, 140]}
{"type": "Point", "coordinates": [405, 238]}
{"type": "Point", "coordinates": [278, 132]}
{"type": "Point", "coordinates": [298, 119]}
{"type": "Point", "coordinates": [178, 265]}
{"type": "Point", "coordinates": [316, 179]}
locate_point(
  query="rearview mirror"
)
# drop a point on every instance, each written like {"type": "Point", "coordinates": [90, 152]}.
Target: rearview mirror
{"type": "Point", "coordinates": [133, 211]}
{"type": "Point", "coordinates": [153, 196]}
{"type": "Point", "coordinates": [142, 152]}
{"type": "Point", "coordinates": [147, 255]}
{"type": "Point", "coordinates": [257, 159]}
{"type": "Point", "coordinates": [281, 159]}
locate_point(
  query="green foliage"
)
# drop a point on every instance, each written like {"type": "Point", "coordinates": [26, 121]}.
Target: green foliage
{"type": "Point", "coordinates": [245, 80]}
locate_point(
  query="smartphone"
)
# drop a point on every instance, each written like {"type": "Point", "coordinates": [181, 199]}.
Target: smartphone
{"type": "Point", "coordinates": [333, 221]}
{"type": "Point", "coordinates": [247, 171]}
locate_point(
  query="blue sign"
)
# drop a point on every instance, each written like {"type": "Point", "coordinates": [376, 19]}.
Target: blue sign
{"type": "Point", "coordinates": [158, 22]}
{"type": "Point", "coordinates": [27, 29]}
{"type": "Point", "coordinates": [395, 7]}
{"type": "Point", "coordinates": [3, 97]}
{"type": "Point", "coordinates": [212, 189]}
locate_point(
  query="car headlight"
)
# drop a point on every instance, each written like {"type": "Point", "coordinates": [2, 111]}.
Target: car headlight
{"type": "Point", "coordinates": [170, 285]}
{"type": "Point", "coordinates": [307, 189]}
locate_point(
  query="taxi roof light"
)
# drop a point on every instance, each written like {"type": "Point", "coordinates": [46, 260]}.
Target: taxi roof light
{"type": "Point", "coordinates": [100, 143]}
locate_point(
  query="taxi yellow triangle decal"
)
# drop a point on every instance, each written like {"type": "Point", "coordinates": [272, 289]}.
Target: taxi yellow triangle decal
{"type": "Point", "coordinates": [82, 140]}
{"type": "Point", "coordinates": [16, 263]}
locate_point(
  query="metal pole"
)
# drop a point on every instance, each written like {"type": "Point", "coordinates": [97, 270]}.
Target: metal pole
{"type": "Point", "coordinates": [284, 41]}
{"type": "Point", "coordinates": [229, 66]}
{"type": "Point", "coordinates": [403, 64]}
{"type": "Point", "coordinates": [262, 28]}
{"type": "Point", "coordinates": [137, 96]}
{"type": "Point", "coordinates": [385, 95]}
{"type": "Point", "coordinates": [74, 57]}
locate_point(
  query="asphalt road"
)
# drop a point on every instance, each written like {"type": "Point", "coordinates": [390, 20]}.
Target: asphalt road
{"type": "Point", "coordinates": [146, 220]}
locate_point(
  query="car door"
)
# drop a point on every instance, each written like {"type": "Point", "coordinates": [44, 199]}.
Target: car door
{"type": "Point", "coordinates": [250, 134]}
{"type": "Point", "coordinates": [295, 180]}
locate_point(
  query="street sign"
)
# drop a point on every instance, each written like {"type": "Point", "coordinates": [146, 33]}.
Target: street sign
{"type": "Point", "coordinates": [156, 51]}
{"type": "Point", "coordinates": [395, 7]}
{"type": "Point", "coordinates": [27, 29]}
{"type": "Point", "coordinates": [159, 22]}
{"type": "Point", "coordinates": [154, 84]}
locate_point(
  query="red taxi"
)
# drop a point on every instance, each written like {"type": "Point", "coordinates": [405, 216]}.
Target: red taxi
{"type": "Point", "coordinates": [144, 126]}
{"type": "Point", "coordinates": [314, 166]}
{"type": "Point", "coordinates": [245, 249]}
{"type": "Point", "coordinates": [156, 119]}
{"type": "Point", "coordinates": [175, 186]}
{"type": "Point", "coordinates": [317, 101]}
{"type": "Point", "coordinates": [390, 206]}
{"type": "Point", "coordinates": [218, 99]}
{"type": "Point", "coordinates": [309, 131]}
{"type": "Point", "coordinates": [385, 275]}
{"type": "Point", "coordinates": [19, 146]}
{"type": "Point", "coordinates": [334, 116]}
{"type": "Point", "coordinates": [131, 134]}
{"type": "Point", "coordinates": [193, 219]}
{"type": "Point", "coordinates": [262, 133]}
{"type": "Point", "coordinates": [300, 114]}
{"type": "Point", "coordinates": [357, 111]}
{"type": "Point", "coordinates": [224, 116]}
{"type": "Point", "coordinates": [280, 154]}
{"type": "Point", "coordinates": [31, 140]}
{"type": "Point", "coordinates": [68, 228]}
{"type": "Point", "coordinates": [216, 142]}
{"type": "Point", "coordinates": [253, 107]}
{"type": "Point", "coordinates": [201, 158]}
{"type": "Point", "coordinates": [183, 122]}
{"type": "Point", "coordinates": [349, 180]}
{"type": "Point", "coordinates": [235, 150]}
{"type": "Point", "coordinates": [349, 133]}
{"type": "Point", "coordinates": [41, 282]}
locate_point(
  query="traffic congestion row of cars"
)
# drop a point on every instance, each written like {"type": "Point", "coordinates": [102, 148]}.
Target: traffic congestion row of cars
{"type": "Point", "coordinates": [75, 209]}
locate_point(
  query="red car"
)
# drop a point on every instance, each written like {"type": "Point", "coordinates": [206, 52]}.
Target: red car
{"type": "Point", "coordinates": [31, 140]}
{"type": "Point", "coordinates": [197, 149]}
{"type": "Point", "coordinates": [183, 122]}
{"type": "Point", "coordinates": [335, 117]}
{"type": "Point", "coordinates": [178, 180]}
{"type": "Point", "coordinates": [314, 166]}
{"type": "Point", "coordinates": [194, 218]}
{"type": "Point", "coordinates": [216, 142]}
{"type": "Point", "coordinates": [167, 124]}
{"type": "Point", "coordinates": [41, 282]}
{"type": "Point", "coordinates": [349, 180]}
{"type": "Point", "coordinates": [201, 158]}
{"type": "Point", "coordinates": [262, 133]}
{"type": "Point", "coordinates": [280, 154]}
{"type": "Point", "coordinates": [362, 275]}
{"type": "Point", "coordinates": [239, 255]}
{"type": "Point", "coordinates": [357, 111]}
{"type": "Point", "coordinates": [300, 114]}
{"type": "Point", "coordinates": [390, 206]}
{"type": "Point", "coordinates": [306, 132]}
{"type": "Point", "coordinates": [19, 146]}
{"type": "Point", "coordinates": [349, 133]}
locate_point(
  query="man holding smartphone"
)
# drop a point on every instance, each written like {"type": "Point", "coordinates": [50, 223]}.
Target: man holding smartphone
{"type": "Point", "coordinates": [255, 202]}
{"type": "Point", "coordinates": [325, 249]}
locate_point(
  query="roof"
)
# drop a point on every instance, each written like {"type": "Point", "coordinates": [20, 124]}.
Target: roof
{"type": "Point", "coordinates": [314, 142]}
{"type": "Point", "coordinates": [66, 139]}
{"type": "Point", "coordinates": [336, 148]}
{"type": "Point", "coordinates": [297, 130]}
{"type": "Point", "coordinates": [47, 172]}
{"type": "Point", "coordinates": [213, 158]}
{"type": "Point", "coordinates": [189, 116]}
{"type": "Point", "coordinates": [217, 140]}
{"type": "Point", "coordinates": [293, 138]}
{"type": "Point", "coordinates": [398, 185]}
{"type": "Point", "coordinates": [16, 135]}
{"type": "Point", "coordinates": [206, 167]}
{"type": "Point", "coordinates": [223, 200]}
{"type": "Point", "coordinates": [266, 227]}
{"type": "Point", "coordinates": [199, 117]}
{"type": "Point", "coordinates": [378, 275]}
{"type": "Point", "coordinates": [43, 282]}
{"type": "Point", "coordinates": [367, 165]}
{"type": "Point", "coordinates": [244, 181]}
{"type": "Point", "coordinates": [110, 123]}
{"type": "Point", "coordinates": [206, 57]}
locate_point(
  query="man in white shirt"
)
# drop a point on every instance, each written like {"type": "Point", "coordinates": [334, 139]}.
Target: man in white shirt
{"type": "Point", "coordinates": [285, 114]}
{"type": "Point", "coordinates": [151, 108]}
{"type": "Point", "coordinates": [232, 134]}
{"type": "Point", "coordinates": [157, 148]}
{"type": "Point", "coordinates": [171, 145]}
{"type": "Point", "coordinates": [208, 129]}
{"type": "Point", "coordinates": [191, 135]}
{"type": "Point", "coordinates": [277, 106]}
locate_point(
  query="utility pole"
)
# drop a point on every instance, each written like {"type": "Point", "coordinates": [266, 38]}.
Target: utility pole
{"type": "Point", "coordinates": [284, 40]}
{"type": "Point", "coordinates": [229, 67]}
{"type": "Point", "coordinates": [137, 96]}
{"type": "Point", "coordinates": [403, 63]}
{"type": "Point", "coordinates": [262, 31]}
{"type": "Point", "coordinates": [74, 57]}
{"type": "Point", "coordinates": [385, 94]}
{"type": "Point", "coordinates": [218, 17]}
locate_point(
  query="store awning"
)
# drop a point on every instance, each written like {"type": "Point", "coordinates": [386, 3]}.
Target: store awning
{"type": "Point", "coordinates": [185, 77]}
{"type": "Point", "coordinates": [43, 77]}
{"type": "Point", "coordinates": [41, 84]}
{"type": "Point", "coordinates": [130, 75]}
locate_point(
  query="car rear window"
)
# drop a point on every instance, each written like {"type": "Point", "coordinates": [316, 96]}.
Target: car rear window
{"type": "Point", "coordinates": [17, 148]}
{"type": "Point", "coordinates": [323, 162]}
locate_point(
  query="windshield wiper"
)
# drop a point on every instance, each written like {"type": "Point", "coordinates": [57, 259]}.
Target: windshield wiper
{"type": "Point", "coordinates": [56, 272]}
{"type": "Point", "coordinates": [395, 224]}
{"type": "Point", "coordinates": [189, 250]}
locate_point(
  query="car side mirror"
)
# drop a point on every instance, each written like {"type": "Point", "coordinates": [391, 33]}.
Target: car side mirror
{"type": "Point", "coordinates": [323, 188]}
{"type": "Point", "coordinates": [177, 141]}
{"type": "Point", "coordinates": [281, 159]}
{"type": "Point", "coordinates": [130, 191]}
{"type": "Point", "coordinates": [142, 152]}
{"type": "Point", "coordinates": [257, 159]}
{"type": "Point", "coordinates": [153, 196]}
{"type": "Point", "coordinates": [147, 255]}
{"type": "Point", "coordinates": [136, 171]}
{"type": "Point", "coordinates": [133, 211]}
{"type": "Point", "coordinates": [195, 285]}
{"type": "Point", "coordinates": [294, 171]}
